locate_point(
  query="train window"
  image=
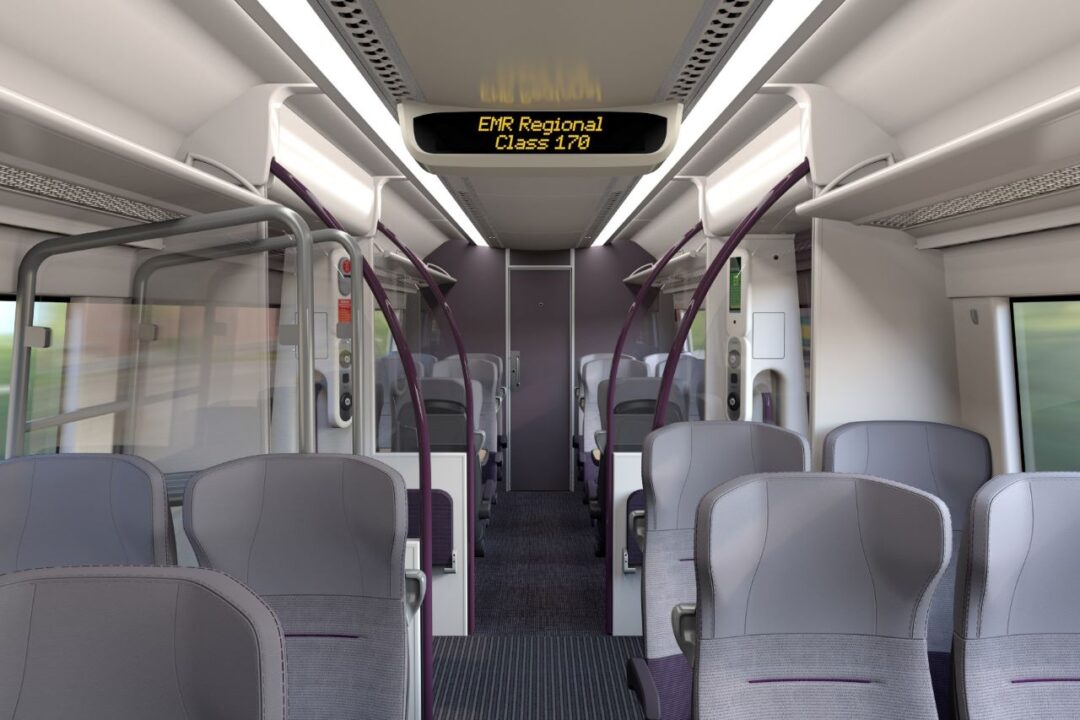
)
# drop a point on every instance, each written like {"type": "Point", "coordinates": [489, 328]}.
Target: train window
{"type": "Point", "coordinates": [46, 372]}
{"type": "Point", "coordinates": [1047, 341]}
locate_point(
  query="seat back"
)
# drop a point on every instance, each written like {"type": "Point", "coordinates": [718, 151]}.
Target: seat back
{"type": "Point", "coordinates": [635, 407]}
{"type": "Point", "coordinates": [1017, 644]}
{"type": "Point", "coordinates": [949, 462]}
{"type": "Point", "coordinates": [594, 373]}
{"type": "Point", "coordinates": [652, 362]}
{"type": "Point", "coordinates": [82, 509]}
{"type": "Point", "coordinates": [444, 402]}
{"type": "Point", "coordinates": [484, 374]}
{"type": "Point", "coordinates": [321, 538]}
{"type": "Point", "coordinates": [690, 381]}
{"type": "Point", "coordinates": [680, 464]}
{"type": "Point", "coordinates": [389, 373]}
{"type": "Point", "coordinates": [102, 643]}
{"type": "Point", "coordinates": [813, 597]}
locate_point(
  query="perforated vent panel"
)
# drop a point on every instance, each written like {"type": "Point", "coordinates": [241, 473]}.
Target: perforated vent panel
{"type": "Point", "coordinates": [364, 34]}
{"type": "Point", "coordinates": [28, 182]}
{"type": "Point", "coordinates": [1016, 191]}
{"type": "Point", "coordinates": [719, 29]}
{"type": "Point", "coordinates": [470, 202]}
{"type": "Point", "coordinates": [612, 196]}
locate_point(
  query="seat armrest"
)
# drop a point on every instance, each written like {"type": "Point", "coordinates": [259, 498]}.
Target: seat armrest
{"type": "Point", "coordinates": [600, 436]}
{"type": "Point", "coordinates": [636, 518]}
{"type": "Point", "coordinates": [596, 456]}
{"type": "Point", "coordinates": [640, 681]}
{"type": "Point", "coordinates": [684, 623]}
{"type": "Point", "coordinates": [415, 590]}
{"type": "Point", "coordinates": [479, 438]}
{"type": "Point", "coordinates": [482, 454]}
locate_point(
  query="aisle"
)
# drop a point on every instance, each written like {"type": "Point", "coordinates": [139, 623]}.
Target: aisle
{"type": "Point", "coordinates": [539, 651]}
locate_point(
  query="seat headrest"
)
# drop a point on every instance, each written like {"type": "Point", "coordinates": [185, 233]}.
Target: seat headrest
{"type": "Point", "coordinates": [138, 642]}
{"type": "Point", "coordinates": [302, 524]}
{"type": "Point", "coordinates": [819, 553]}
{"type": "Point", "coordinates": [681, 462]}
{"type": "Point", "coordinates": [82, 509]}
{"type": "Point", "coordinates": [596, 371]}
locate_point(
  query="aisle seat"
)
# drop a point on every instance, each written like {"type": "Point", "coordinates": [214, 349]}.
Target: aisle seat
{"type": "Point", "coordinates": [485, 407]}
{"type": "Point", "coordinates": [814, 592]}
{"type": "Point", "coordinates": [593, 373]}
{"type": "Point", "coordinates": [690, 380]}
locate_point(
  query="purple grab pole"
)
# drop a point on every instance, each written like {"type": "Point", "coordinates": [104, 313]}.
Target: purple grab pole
{"type": "Point", "coordinates": [423, 440]}
{"type": "Point", "coordinates": [709, 278]}
{"type": "Point", "coordinates": [470, 442]}
{"type": "Point", "coordinates": [609, 410]}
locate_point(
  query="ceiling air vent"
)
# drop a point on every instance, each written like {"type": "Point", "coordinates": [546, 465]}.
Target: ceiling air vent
{"type": "Point", "coordinates": [27, 182]}
{"type": "Point", "coordinates": [719, 28]}
{"type": "Point", "coordinates": [363, 33]}
{"type": "Point", "coordinates": [467, 197]}
{"type": "Point", "coordinates": [997, 196]}
{"type": "Point", "coordinates": [612, 196]}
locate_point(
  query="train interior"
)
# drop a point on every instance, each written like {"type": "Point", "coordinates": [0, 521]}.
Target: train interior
{"type": "Point", "coordinates": [582, 360]}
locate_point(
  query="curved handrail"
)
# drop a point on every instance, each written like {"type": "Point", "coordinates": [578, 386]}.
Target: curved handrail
{"type": "Point", "coordinates": [39, 253]}
{"type": "Point", "coordinates": [419, 414]}
{"type": "Point", "coordinates": [470, 410]}
{"type": "Point", "coordinates": [710, 276]}
{"type": "Point", "coordinates": [609, 409]}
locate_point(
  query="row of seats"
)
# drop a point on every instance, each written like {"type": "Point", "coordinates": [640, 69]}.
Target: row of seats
{"type": "Point", "coordinates": [797, 594]}
{"type": "Point", "coordinates": [443, 390]}
{"type": "Point", "coordinates": [318, 539]}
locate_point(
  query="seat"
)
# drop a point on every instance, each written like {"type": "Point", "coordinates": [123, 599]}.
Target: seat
{"type": "Point", "coordinates": [680, 464]}
{"type": "Point", "coordinates": [388, 375]}
{"type": "Point", "coordinates": [653, 363]}
{"type": "Point", "coordinates": [118, 643]}
{"type": "Point", "coordinates": [444, 402]}
{"type": "Point", "coordinates": [321, 538]}
{"type": "Point", "coordinates": [813, 597]}
{"type": "Point", "coordinates": [486, 374]}
{"type": "Point", "coordinates": [1017, 643]}
{"type": "Point", "coordinates": [593, 373]}
{"type": "Point", "coordinates": [579, 391]}
{"type": "Point", "coordinates": [690, 380]}
{"type": "Point", "coordinates": [947, 461]}
{"type": "Point", "coordinates": [83, 509]}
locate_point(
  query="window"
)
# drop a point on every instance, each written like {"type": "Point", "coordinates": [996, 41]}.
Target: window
{"type": "Point", "coordinates": [1047, 340]}
{"type": "Point", "coordinates": [46, 372]}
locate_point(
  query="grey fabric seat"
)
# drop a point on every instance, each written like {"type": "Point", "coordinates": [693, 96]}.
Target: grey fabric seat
{"type": "Point", "coordinates": [1017, 644]}
{"type": "Point", "coordinates": [680, 464]}
{"type": "Point", "coordinates": [690, 380]}
{"type": "Point", "coordinates": [444, 400]}
{"type": "Point", "coordinates": [389, 373]}
{"type": "Point", "coordinates": [83, 509]}
{"type": "Point", "coordinates": [813, 597]}
{"type": "Point", "coordinates": [485, 375]}
{"type": "Point", "coordinates": [635, 406]}
{"type": "Point", "coordinates": [126, 643]}
{"type": "Point", "coordinates": [595, 372]}
{"type": "Point", "coordinates": [321, 538]}
{"type": "Point", "coordinates": [949, 462]}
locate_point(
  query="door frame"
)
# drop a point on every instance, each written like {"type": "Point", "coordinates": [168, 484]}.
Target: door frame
{"type": "Point", "coordinates": [571, 268]}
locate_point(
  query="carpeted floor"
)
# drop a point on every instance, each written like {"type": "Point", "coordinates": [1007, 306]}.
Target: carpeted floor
{"type": "Point", "coordinates": [539, 651]}
{"type": "Point", "coordinates": [540, 575]}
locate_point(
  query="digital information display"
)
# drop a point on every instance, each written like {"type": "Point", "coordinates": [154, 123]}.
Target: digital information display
{"type": "Point", "coordinates": [477, 132]}
{"type": "Point", "coordinates": [735, 286]}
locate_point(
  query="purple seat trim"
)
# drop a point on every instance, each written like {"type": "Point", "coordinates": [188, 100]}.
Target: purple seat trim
{"type": "Point", "coordinates": [442, 525]}
{"type": "Point", "coordinates": [1025, 681]}
{"type": "Point", "coordinates": [674, 684]}
{"type": "Point", "coordinates": [636, 501]}
{"type": "Point", "coordinates": [768, 681]}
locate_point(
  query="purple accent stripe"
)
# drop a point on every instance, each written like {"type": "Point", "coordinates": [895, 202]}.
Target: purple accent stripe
{"type": "Point", "coordinates": [709, 278]}
{"type": "Point", "coordinates": [1028, 681]}
{"type": "Point", "coordinates": [609, 497]}
{"type": "Point", "coordinates": [323, 635]}
{"type": "Point", "coordinates": [427, 690]}
{"type": "Point", "coordinates": [769, 681]}
{"type": "Point", "coordinates": [470, 438]}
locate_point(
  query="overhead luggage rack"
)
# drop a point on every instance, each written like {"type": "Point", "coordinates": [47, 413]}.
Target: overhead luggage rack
{"type": "Point", "coordinates": [1017, 175]}
{"type": "Point", "coordinates": [75, 177]}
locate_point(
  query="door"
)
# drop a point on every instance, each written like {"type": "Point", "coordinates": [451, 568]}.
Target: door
{"type": "Point", "coordinates": [540, 332]}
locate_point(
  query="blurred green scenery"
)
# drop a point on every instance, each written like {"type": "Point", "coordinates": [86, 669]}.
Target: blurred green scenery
{"type": "Point", "coordinates": [46, 372]}
{"type": "Point", "coordinates": [1047, 334]}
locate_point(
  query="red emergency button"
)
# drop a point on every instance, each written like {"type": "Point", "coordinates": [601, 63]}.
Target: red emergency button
{"type": "Point", "coordinates": [346, 266]}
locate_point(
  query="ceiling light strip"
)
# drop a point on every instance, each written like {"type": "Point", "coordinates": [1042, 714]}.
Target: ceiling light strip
{"type": "Point", "coordinates": [305, 28]}
{"type": "Point", "coordinates": [781, 28]}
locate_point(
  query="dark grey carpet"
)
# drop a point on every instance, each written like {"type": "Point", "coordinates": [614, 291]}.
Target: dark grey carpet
{"type": "Point", "coordinates": [534, 678]}
{"type": "Point", "coordinates": [540, 575]}
{"type": "Point", "coordinates": [539, 652]}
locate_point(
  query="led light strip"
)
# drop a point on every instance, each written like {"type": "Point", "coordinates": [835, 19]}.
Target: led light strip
{"type": "Point", "coordinates": [781, 21]}
{"type": "Point", "coordinates": [305, 28]}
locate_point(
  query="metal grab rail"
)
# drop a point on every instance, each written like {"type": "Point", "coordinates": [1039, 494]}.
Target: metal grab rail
{"type": "Point", "coordinates": [470, 410]}
{"type": "Point", "coordinates": [39, 253]}
{"type": "Point", "coordinates": [423, 439]}
{"type": "Point", "coordinates": [609, 410]}
{"type": "Point", "coordinates": [159, 262]}
{"type": "Point", "coordinates": [709, 278]}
